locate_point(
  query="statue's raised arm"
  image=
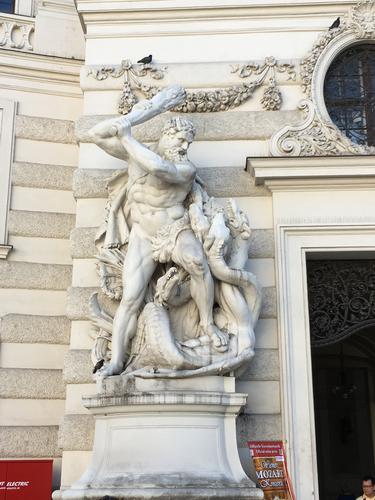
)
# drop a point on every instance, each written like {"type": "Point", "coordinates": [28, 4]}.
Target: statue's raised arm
{"type": "Point", "coordinates": [184, 304]}
{"type": "Point", "coordinates": [105, 133]}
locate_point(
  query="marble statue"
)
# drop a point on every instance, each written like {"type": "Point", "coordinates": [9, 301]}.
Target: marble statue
{"type": "Point", "coordinates": [176, 298]}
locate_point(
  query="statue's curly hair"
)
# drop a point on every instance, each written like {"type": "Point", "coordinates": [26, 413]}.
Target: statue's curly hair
{"type": "Point", "coordinates": [177, 124]}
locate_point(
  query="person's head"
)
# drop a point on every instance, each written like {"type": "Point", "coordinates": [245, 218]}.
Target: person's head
{"type": "Point", "coordinates": [177, 134]}
{"type": "Point", "coordinates": [368, 484]}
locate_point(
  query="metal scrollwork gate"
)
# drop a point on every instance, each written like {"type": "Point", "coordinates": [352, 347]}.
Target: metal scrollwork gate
{"type": "Point", "coordinates": [341, 298]}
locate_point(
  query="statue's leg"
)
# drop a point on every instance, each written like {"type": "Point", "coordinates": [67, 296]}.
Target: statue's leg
{"type": "Point", "coordinates": [139, 267]}
{"type": "Point", "coordinates": [188, 253]}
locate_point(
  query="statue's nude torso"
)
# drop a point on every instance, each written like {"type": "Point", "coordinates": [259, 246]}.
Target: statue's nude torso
{"type": "Point", "coordinates": [159, 180]}
{"type": "Point", "coordinates": [152, 202]}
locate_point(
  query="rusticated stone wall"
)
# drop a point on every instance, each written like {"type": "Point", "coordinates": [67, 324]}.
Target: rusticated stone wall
{"type": "Point", "coordinates": [34, 329]}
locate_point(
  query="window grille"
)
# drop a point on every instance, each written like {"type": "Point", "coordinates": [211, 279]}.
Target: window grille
{"type": "Point", "coordinates": [349, 93]}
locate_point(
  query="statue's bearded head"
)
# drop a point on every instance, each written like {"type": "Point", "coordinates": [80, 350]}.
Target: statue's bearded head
{"type": "Point", "coordinates": [177, 135]}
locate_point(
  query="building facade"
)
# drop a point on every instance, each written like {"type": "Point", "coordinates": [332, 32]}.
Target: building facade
{"type": "Point", "coordinates": [281, 96]}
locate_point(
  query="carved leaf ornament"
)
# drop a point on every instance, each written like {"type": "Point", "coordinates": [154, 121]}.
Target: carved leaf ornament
{"type": "Point", "coordinates": [200, 101]}
{"type": "Point", "coordinates": [315, 136]}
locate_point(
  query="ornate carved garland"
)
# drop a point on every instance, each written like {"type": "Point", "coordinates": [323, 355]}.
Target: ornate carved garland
{"type": "Point", "coordinates": [341, 298]}
{"type": "Point", "coordinates": [272, 98]}
{"type": "Point", "coordinates": [201, 101]}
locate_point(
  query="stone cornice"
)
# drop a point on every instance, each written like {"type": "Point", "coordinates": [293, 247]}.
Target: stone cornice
{"type": "Point", "coordinates": [21, 71]}
{"type": "Point", "coordinates": [212, 8]}
{"type": "Point", "coordinates": [59, 6]}
{"type": "Point", "coordinates": [16, 18]}
{"type": "Point", "coordinates": [58, 68]}
{"type": "Point", "coordinates": [119, 11]}
{"type": "Point", "coordinates": [345, 172]}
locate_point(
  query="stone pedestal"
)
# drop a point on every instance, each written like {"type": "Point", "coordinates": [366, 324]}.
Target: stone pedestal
{"type": "Point", "coordinates": [170, 439]}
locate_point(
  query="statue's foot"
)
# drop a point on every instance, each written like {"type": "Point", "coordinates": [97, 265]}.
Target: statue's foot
{"type": "Point", "coordinates": [110, 369]}
{"type": "Point", "coordinates": [219, 338]}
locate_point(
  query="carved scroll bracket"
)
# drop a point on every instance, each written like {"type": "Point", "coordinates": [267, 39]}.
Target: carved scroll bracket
{"type": "Point", "coordinates": [313, 137]}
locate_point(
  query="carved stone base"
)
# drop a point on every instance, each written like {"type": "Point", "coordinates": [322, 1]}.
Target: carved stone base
{"type": "Point", "coordinates": [170, 439]}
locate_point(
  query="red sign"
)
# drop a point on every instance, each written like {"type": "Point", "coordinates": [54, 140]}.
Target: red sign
{"type": "Point", "coordinates": [271, 470]}
{"type": "Point", "coordinates": [25, 479]}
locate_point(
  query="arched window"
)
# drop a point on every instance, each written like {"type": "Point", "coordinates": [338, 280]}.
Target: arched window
{"type": "Point", "coordinates": [349, 93]}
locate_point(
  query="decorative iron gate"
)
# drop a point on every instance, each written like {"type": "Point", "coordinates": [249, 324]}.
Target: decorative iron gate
{"type": "Point", "coordinates": [341, 298]}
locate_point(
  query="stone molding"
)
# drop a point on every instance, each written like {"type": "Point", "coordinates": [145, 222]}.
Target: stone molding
{"type": "Point", "coordinates": [4, 251]}
{"type": "Point", "coordinates": [158, 11]}
{"type": "Point", "coordinates": [311, 173]}
{"type": "Point", "coordinates": [34, 73]}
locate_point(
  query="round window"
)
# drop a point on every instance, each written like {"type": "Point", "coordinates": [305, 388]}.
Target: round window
{"type": "Point", "coordinates": [349, 93]}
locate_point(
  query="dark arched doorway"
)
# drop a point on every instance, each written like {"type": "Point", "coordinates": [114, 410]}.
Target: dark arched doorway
{"type": "Point", "coordinates": [342, 327]}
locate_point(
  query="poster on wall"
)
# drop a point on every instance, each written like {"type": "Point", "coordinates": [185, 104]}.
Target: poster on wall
{"type": "Point", "coordinates": [271, 469]}
{"type": "Point", "coordinates": [25, 479]}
